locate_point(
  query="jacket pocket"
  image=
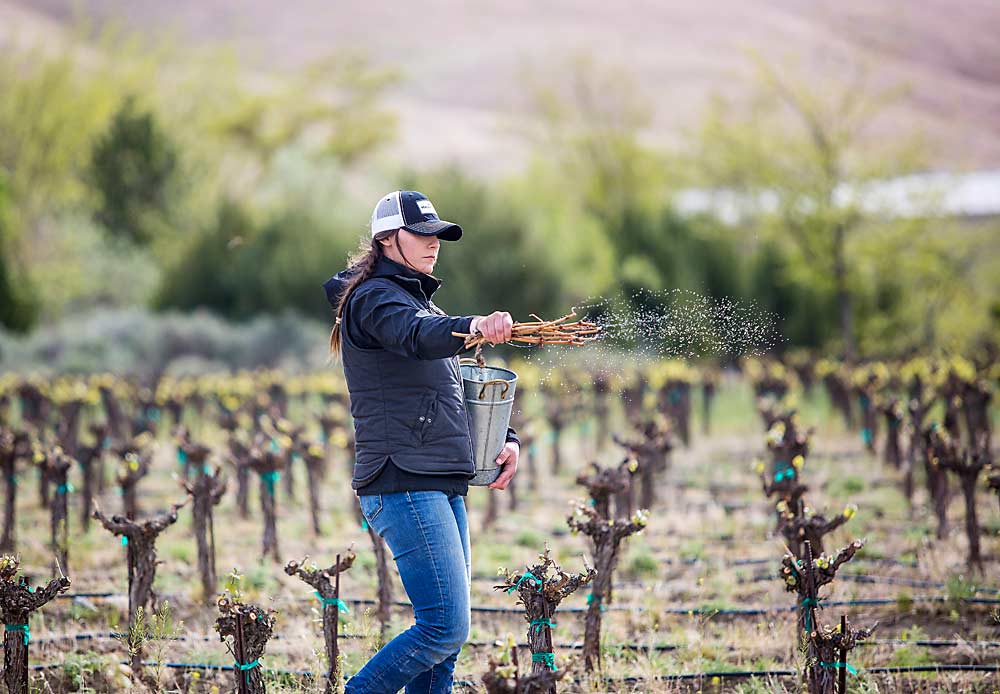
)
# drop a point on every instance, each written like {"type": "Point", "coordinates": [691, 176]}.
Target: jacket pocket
{"type": "Point", "coordinates": [426, 414]}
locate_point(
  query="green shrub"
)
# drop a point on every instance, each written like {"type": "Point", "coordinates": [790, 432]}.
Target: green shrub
{"type": "Point", "coordinates": [959, 588]}
{"type": "Point", "coordinates": [845, 486]}
{"type": "Point", "coordinates": [904, 602]}
{"type": "Point", "coordinates": [529, 539]}
{"type": "Point", "coordinates": [906, 656]}
{"type": "Point", "coordinates": [643, 563]}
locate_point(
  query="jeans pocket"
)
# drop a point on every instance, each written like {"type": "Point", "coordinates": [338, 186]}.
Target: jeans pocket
{"type": "Point", "coordinates": [371, 506]}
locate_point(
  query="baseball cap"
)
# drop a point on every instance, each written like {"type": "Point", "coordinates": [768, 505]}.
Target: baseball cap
{"type": "Point", "coordinates": [415, 213]}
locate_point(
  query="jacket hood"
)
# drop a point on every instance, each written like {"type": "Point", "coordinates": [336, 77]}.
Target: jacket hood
{"type": "Point", "coordinates": [335, 287]}
{"type": "Point", "coordinates": [406, 277]}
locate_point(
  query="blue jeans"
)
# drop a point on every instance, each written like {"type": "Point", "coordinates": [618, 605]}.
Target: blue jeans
{"type": "Point", "coordinates": [428, 534]}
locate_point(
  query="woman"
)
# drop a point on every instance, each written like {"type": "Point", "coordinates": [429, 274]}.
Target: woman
{"type": "Point", "coordinates": [414, 448]}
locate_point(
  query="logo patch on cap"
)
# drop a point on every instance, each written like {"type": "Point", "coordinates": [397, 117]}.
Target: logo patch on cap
{"type": "Point", "coordinates": [426, 207]}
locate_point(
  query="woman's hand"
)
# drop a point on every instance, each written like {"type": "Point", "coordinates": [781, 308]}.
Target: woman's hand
{"type": "Point", "coordinates": [508, 459]}
{"type": "Point", "coordinates": [496, 327]}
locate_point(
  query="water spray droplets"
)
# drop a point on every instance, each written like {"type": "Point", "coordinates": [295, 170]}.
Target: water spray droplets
{"type": "Point", "coordinates": [653, 325]}
{"type": "Point", "coordinates": [684, 324]}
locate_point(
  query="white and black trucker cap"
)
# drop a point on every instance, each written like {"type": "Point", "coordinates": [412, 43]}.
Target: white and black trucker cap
{"type": "Point", "coordinates": [415, 213]}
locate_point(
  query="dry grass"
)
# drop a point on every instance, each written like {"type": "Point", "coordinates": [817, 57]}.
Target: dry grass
{"type": "Point", "coordinates": [712, 515]}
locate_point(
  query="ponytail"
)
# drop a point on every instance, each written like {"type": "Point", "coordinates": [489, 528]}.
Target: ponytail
{"type": "Point", "coordinates": [361, 266]}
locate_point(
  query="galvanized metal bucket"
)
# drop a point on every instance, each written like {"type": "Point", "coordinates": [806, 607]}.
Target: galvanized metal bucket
{"type": "Point", "coordinates": [489, 401]}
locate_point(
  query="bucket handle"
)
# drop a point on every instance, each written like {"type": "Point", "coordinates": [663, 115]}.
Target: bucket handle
{"type": "Point", "coordinates": [503, 393]}
{"type": "Point", "coordinates": [468, 361]}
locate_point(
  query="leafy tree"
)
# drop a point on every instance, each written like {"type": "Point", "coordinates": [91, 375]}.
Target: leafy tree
{"type": "Point", "coordinates": [499, 264]}
{"type": "Point", "coordinates": [52, 108]}
{"type": "Point", "coordinates": [55, 102]}
{"type": "Point", "coordinates": [334, 104]}
{"type": "Point", "coordinates": [18, 305]}
{"type": "Point", "coordinates": [240, 267]}
{"type": "Point", "coordinates": [932, 284]}
{"type": "Point", "coordinates": [590, 127]}
{"type": "Point", "coordinates": [593, 157]}
{"type": "Point", "coordinates": [202, 275]}
{"type": "Point", "coordinates": [806, 310]}
{"type": "Point", "coordinates": [133, 167]}
{"type": "Point", "coordinates": [601, 187]}
{"type": "Point", "coordinates": [801, 153]}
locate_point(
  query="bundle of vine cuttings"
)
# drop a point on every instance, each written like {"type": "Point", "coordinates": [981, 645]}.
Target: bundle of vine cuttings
{"type": "Point", "coordinates": [543, 332]}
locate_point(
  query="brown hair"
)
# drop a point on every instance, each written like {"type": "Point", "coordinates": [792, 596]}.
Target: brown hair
{"type": "Point", "coordinates": [360, 267]}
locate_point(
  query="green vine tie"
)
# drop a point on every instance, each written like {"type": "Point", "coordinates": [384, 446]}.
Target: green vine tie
{"type": "Point", "coordinates": [332, 601]}
{"type": "Point", "coordinates": [539, 623]}
{"type": "Point", "coordinates": [590, 599]}
{"type": "Point", "coordinates": [23, 628]}
{"type": "Point", "coordinates": [806, 604]}
{"type": "Point", "coordinates": [547, 658]}
{"type": "Point", "coordinates": [837, 665]}
{"type": "Point", "coordinates": [788, 473]}
{"type": "Point", "coordinates": [247, 667]}
{"type": "Point", "coordinates": [527, 575]}
{"type": "Point", "coordinates": [270, 478]}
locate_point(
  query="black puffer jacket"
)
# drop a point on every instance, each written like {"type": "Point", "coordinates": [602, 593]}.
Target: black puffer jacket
{"type": "Point", "coordinates": [401, 365]}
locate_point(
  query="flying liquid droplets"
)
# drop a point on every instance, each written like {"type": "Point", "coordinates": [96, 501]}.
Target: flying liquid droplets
{"type": "Point", "coordinates": [652, 325]}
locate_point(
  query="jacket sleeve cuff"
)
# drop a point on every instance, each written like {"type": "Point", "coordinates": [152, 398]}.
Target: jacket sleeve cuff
{"type": "Point", "coordinates": [512, 436]}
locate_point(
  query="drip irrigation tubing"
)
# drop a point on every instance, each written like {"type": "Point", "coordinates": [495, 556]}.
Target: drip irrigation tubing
{"type": "Point", "coordinates": [748, 562]}
{"type": "Point", "coordinates": [924, 643]}
{"type": "Point", "coordinates": [726, 611]}
{"type": "Point", "coordinates": [855, 578]}
{"type": "Point", "coordinates": [735, 674]}
{"type": "Point", "coordinates": [577, 645]}
{"type": "Point", "coordinates": [112, 635]}
{"type": "Point", "coordinates": [859, 578]}
{"type": "Point", "coordinates": [886, 580]}
{"type": "Point", "coordinates": [747, 674]}
{"type": "Point", "coordinates": [772, 560]}
{"type": "Point", "coordinates": [863, 602]}
{"type": "Point", "coordinates": [911, 583]}
{"type": "Point", "coordinates": [707, 610]}
{"type": "Point", "coordinates": [307, 674]}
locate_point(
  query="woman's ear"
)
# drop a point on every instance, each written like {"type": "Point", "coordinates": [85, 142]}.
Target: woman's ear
{"type": "Point", "coordinates": [389, 240]}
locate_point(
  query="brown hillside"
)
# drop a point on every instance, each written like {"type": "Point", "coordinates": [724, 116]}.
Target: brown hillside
{"type": "Point", "coordinates": [465, 61]}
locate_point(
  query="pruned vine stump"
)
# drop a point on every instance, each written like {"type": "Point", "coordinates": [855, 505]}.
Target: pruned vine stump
{"type": "Point", "coordinates": [806, 576]}
{"type": "Point", "coordinates": [327, 584]}
{"type": "Point", "coordinates": [250, 627]}
{"type": "Point", "coordinates": [206, 490]}
{"type": "Point", "coordinates": [827, 662]}
{"type": "Point", "coordinates": [606, 535]}
{"type": "Point", "coordinates": [17, 601]}
{"type": "Point", "coordinates": [540, 592]}
{"type": "Point", "coordinates": [139, 540]}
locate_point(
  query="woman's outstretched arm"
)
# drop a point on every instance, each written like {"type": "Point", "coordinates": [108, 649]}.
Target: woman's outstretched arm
{"type": "Point", "coordinates": [400, 328]}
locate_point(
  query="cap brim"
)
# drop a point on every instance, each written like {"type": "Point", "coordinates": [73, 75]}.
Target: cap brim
{"type": "Point", "coordinates": [445, 231]}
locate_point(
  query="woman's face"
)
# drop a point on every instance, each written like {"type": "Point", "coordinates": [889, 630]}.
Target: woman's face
{"type": "Point", "coordinates": [418, 252]}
